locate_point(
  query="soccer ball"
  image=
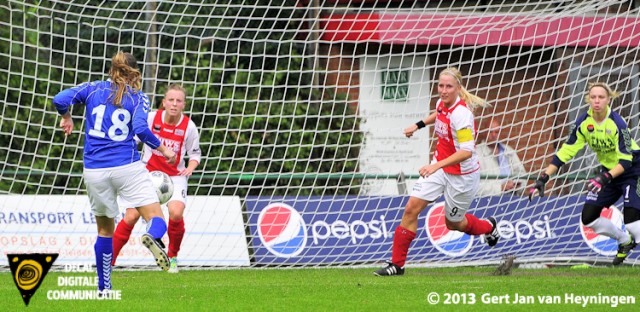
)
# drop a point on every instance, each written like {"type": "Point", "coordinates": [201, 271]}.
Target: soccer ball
{"type": "Point", "coordinates": [163, 184]}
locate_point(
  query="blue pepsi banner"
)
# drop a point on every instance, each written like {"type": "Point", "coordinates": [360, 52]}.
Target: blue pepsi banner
{"type": "Point", "coordinates": [356, 229]}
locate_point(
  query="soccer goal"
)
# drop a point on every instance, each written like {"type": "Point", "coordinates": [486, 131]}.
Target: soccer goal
{"type": "Point", "coordinates": [301, 107]}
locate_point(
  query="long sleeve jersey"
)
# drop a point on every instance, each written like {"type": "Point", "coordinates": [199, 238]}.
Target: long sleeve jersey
{"type": "Point", "coordinates": [109, 130]}
{"type": "Point", "coordinates": [610, 140]}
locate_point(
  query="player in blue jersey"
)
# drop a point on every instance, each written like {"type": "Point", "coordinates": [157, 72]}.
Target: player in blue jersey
{"type": "Point", "coordinates": [606, 132]}
{"type": "Point", "coordinates": [116, 110]}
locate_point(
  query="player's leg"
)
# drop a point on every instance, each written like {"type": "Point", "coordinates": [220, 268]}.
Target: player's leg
{"type": "Point", "coordinates": [104, 251]}
{"type": "Point", "coordinates": [123, 231]}
{"type": "Point", "coordinates": [632, 223]}
{"type": "Point", "coordinates": [631, 219]}
{"type": "Point", "coordinates": [175, 229]}
{"type": "Point", "coordinates": [404, 234]}
{"type": "Point", "coordinates": [137, 189]}
{"type": "Point", "coordinates": [425, 191]}
{"type": "Point", "coordinates": [102, 197]}
{"type": "Point", "coordinates": [593, 207]}
{"type": "Point", "coordinates": [458, 195]}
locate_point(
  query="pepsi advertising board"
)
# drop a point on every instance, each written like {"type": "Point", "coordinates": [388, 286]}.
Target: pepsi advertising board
{"type": "Point", "coordinates": [322, 229]}
{"type": "Point", "coordinates": [356, 229]}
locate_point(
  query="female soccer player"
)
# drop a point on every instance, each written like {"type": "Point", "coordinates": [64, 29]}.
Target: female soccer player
{"type": "Point", "coordinates": [175, 129]}
{"type": "Point", "coordinates": [116, 110]}
{"type": "Point", "coordinates": [608, 136]}
{"type": "Point", "coordinates": [453, 172]}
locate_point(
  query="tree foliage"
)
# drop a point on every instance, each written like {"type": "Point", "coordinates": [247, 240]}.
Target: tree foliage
{"type": "Point", "coordinates": [246, 73]}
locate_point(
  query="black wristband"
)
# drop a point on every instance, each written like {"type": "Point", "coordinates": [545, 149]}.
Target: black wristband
{"type": "Point", "coordinates": [544, 178]}
{"type": "Point", "coordinates": [421, 124]}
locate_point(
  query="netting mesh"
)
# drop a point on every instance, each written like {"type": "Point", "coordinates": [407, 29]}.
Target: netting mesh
{"type": "Point", "coordinates": [308, 99]}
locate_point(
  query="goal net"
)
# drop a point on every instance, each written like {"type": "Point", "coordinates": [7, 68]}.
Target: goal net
{"type": "Point", "coordinates": [301, 107]}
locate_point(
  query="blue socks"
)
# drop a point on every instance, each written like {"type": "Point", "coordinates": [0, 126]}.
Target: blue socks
{"type": "Point", "coordinates": [104, 254]}
{"type": "Point", "coordinates": [156, 227]}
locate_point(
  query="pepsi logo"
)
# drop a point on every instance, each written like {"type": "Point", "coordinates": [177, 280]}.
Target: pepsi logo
{"type": "Point", "coordinates": [599, 243]}
{"type": "Point", "coordinates": [282, 230]}
{"type": "Point", "coordinates": [450, 243]}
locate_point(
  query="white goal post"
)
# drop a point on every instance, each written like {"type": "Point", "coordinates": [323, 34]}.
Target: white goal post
{"type": "Point", "coordinates": [301, 107]}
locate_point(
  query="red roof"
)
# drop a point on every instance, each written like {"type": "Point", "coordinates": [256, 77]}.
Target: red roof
{"type": "Point", "coordinates": [465, 29]}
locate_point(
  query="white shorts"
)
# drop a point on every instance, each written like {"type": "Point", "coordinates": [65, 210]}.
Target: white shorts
{"type": "Point", "coordinates": [129, 182]}
{"type": "Point", "coordinates": [179, 193]}
{"type": "Point", "coordinates": [459, 191]}
{"type": "Point", "coordinates": [179, 189]}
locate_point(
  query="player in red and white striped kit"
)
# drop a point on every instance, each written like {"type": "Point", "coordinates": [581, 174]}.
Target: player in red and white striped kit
{"type": "Point", "coordinates": [454, 171]}
{"type": "Point", "coordinates": [179, 133]}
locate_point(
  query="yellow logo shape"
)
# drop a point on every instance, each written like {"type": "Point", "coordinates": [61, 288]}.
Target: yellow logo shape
{"type": "Point", "coordinates": [29, 270]}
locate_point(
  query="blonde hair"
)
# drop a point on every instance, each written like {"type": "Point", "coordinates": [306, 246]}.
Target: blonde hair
{"type": "Point", "coordinates": [124, 72]}
{"type": "Point", "coordinates": [613, 94]}
{"type": "Point", "coordinates": [472, 100]}
{"type": "Point", "coordinates": [176, 87]}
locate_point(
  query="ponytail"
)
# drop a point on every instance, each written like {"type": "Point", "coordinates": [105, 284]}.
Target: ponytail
{"type": "Point", "coordinates": [472, 100]}
{"type": "Point", "coordinates": [124, 72]}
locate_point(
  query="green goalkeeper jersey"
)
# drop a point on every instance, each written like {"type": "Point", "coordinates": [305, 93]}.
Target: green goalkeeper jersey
{"type": "Point", "coordinates": [610, 140]}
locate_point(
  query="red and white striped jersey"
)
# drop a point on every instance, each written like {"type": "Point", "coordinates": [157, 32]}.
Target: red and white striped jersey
{"type": "Point", "coordinates": [456, 131]}
{"type": "Point", "coordinates": [182, 138]}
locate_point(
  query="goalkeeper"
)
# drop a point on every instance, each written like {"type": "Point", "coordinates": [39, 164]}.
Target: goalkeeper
{"type": "Point", "coordinates": [116, 110]}
{"type": "Point", "coordinates": [175, 129]}
{"type": "Point", "coordinates": [608, 136]}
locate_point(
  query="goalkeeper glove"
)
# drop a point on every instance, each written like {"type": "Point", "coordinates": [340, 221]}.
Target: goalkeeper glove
{"type": "Point", "coordinates": [538, 186]}
{"type": "Point", "coordinates": [596, 183]}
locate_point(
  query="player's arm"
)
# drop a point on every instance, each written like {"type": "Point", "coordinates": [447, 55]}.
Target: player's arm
{"type": "Point", "coordinates": [454, 159]}
{"type": "Point", "coordinates": [63, 101]}
{"type": "Point", "coordinates": [66, 123]}
{"type": "Point", "coordinates": [622, 154]}
{"type": "Point", "coordinates": [624, 150]}
{"type": "Point", "coordinates": [463, 153]}
{"type": "Point", "coordinates": [141, 129]}
{"type": "Point", "coordinates": [569, 149]}
{"type": "Point", "coordinates": [462, 125]}
{"type": "Point", "coordinates": [408, 132]}
{"type": "Point", "coordinates": [192, 146]}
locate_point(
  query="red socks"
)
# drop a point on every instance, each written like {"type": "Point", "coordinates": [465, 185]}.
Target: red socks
{"type": "Point", "coordinates": [476, 226]}
{"type": "Point", "coordinates": [120, 238]}
{"type": "Point", "coordinates": [176, 233]}
{"type": "Point", "coordinates": [123, 232]}
{"type": "Point", "coordinates": [402, 238]}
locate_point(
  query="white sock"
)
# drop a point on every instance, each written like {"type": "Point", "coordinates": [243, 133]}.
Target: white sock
{"type": "Point", "coordinates": [605, 227]}
{"type": "Point", "coordinates": [634, 229]}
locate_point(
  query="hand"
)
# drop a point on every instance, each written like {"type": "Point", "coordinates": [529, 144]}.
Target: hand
{"type": "Point", "coordinates": [509, 185]}
{"type": "Point", "coordinates": [427, 170]}
{"type": "Point", "coordinates": [538, 187]}
{"type": "Point", "coordinates": [66, 124]}
{"type": "Point", "coordinates": [596, 183]}
{"type": "Point", "coordinates": [186, 172]}
{"type": "Point", "coordinates": [170, 155]}
{"type": "Point", "coordinates": [408, 132]}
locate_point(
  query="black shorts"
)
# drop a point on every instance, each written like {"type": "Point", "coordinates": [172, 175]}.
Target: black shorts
{"type": "Point", "coordinates": [625, 186]}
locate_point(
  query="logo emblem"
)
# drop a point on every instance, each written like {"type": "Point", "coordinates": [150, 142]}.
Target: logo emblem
{"type": "Point", "coordinates": [590, 128]}
{"type": "Point", "coordinates": [599, 243]}
{"type": "Point", "coordinates": [28, 271]}
{"type": "Point", "coordinates": [282, 230]}
{"type": "Point", "coordinates": [450, 243]}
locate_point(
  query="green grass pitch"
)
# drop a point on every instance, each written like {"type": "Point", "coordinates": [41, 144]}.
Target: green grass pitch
{"type": "Point", "coordinates": [342, 289]}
